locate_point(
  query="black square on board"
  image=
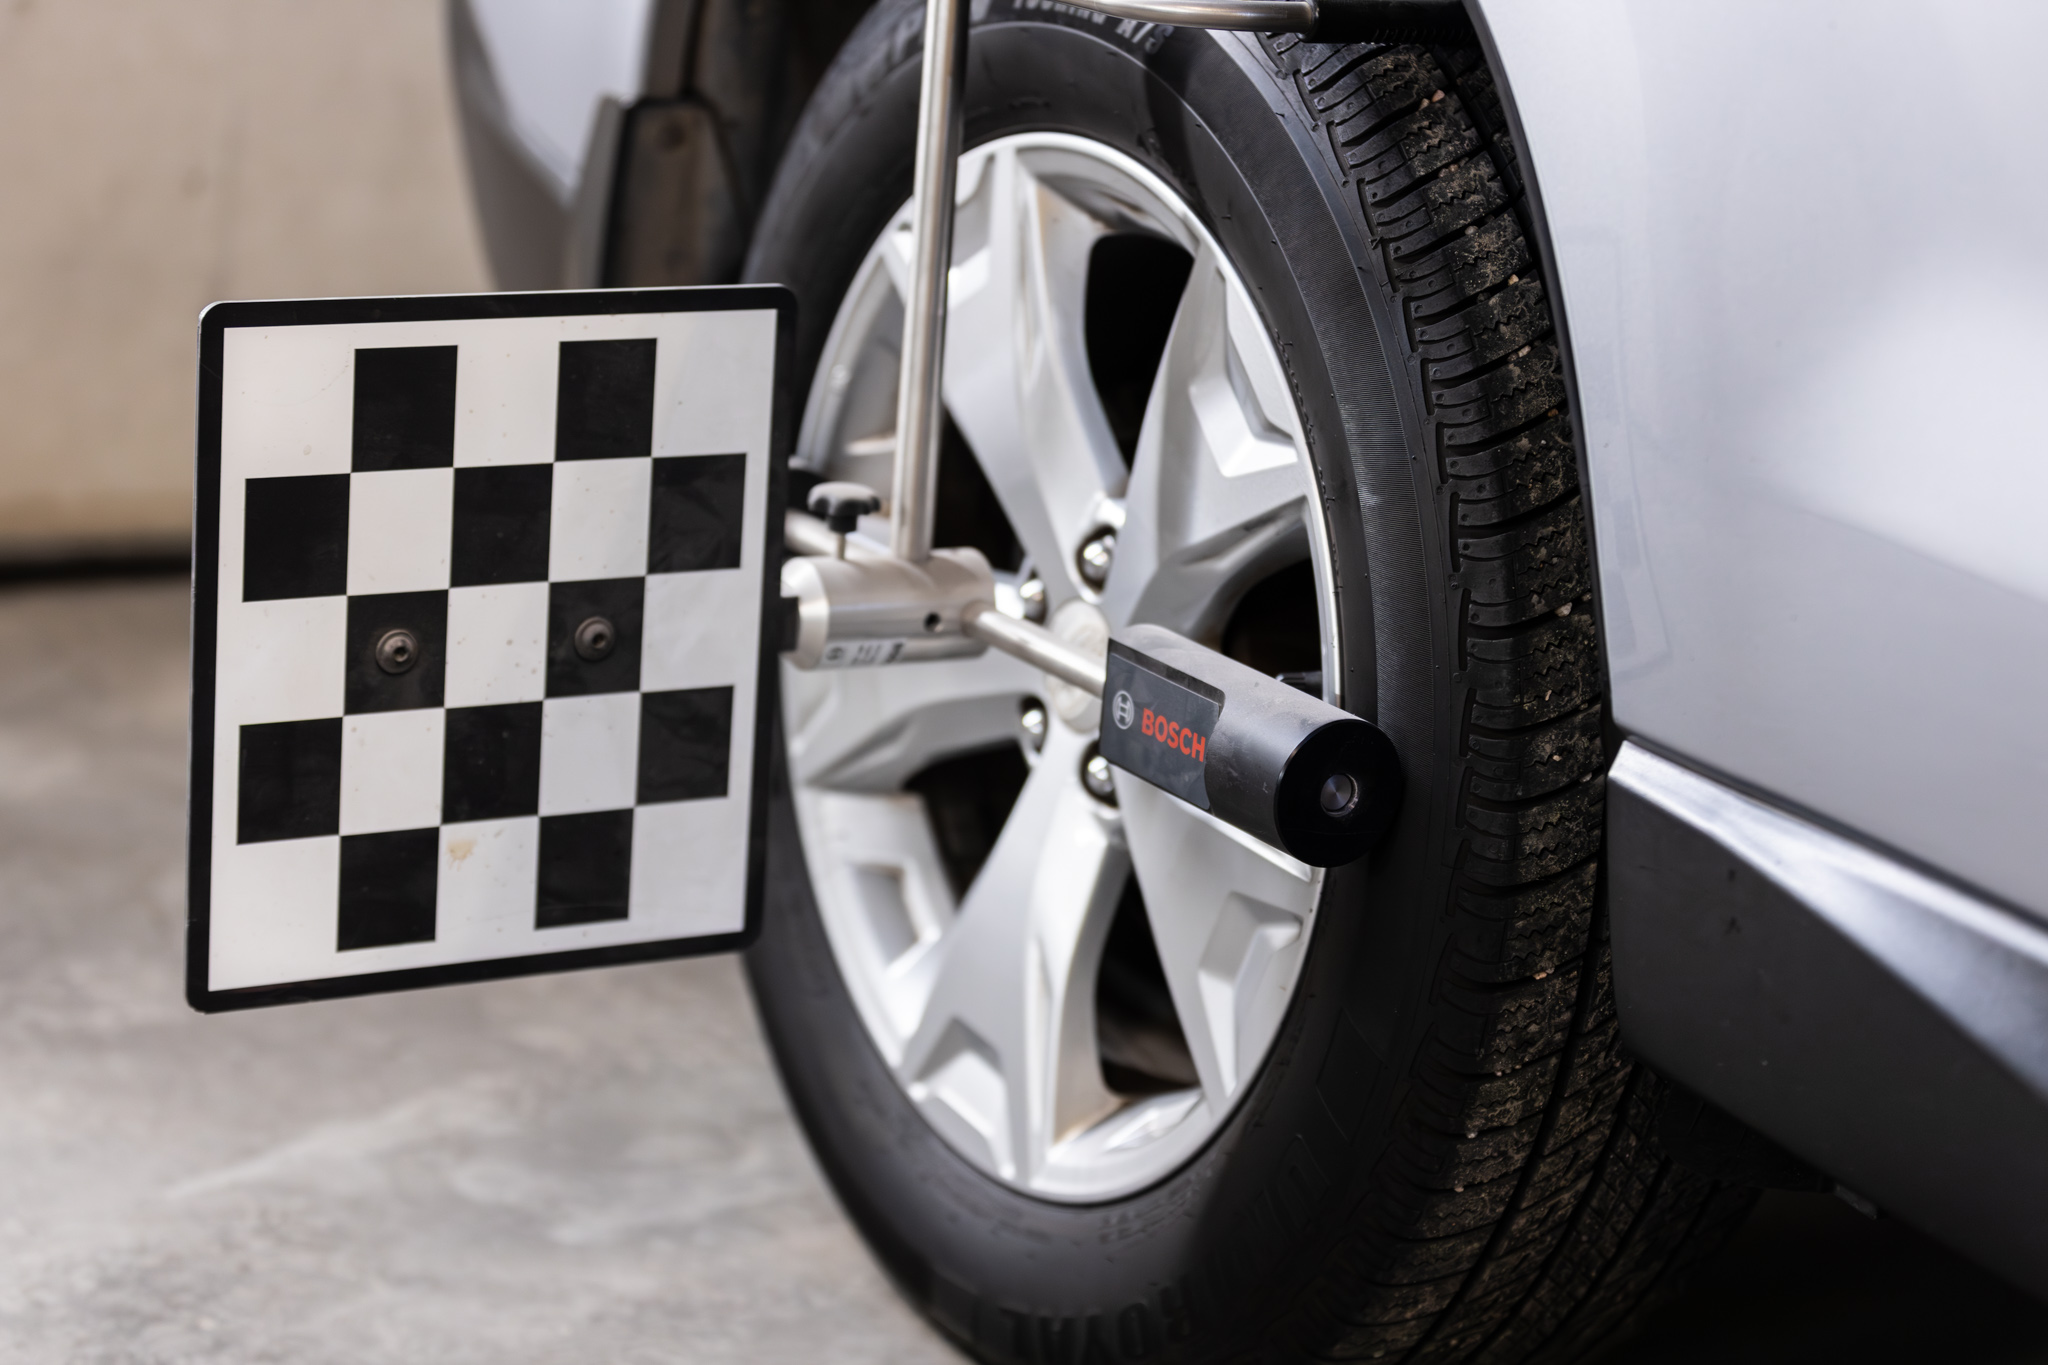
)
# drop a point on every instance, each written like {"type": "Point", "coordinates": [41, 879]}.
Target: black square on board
{"type": "Point", "coordinates": [295, 537]}
{"type": "Point", "coordinates": [491, 766]}
{"type": "Point", "coordinates": [289, 785]}
{"type": "Point", "coordinates": [693, 519]}
{"type": "Point", "coordinates": [685, 743]}
{"type": "Point", "coordinates": [369, 685]}
{"type": "Point", "coordinates": [405, 408]}
{"type": "Point", "coordinates": [388, 888]}
{"type": "Point", "coordinates": [501, 524]}
{"type": "Point", "coordinates": [604, 400]}
{"type": "Point", "coordinates": [586, 868]}
{"type": "Point", "coordinates": [617, 601]}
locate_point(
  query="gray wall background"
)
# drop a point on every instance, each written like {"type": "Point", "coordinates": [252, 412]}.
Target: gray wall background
{"type": "Point", "coordinates": [155, 157]}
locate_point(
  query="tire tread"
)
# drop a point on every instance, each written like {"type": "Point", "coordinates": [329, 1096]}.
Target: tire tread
{"type": "Point", "coordinates": [1525, 1212]}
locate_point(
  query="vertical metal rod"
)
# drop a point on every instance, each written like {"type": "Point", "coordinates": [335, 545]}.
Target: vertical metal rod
{"type": "Point", "coordinates": [919, 407]}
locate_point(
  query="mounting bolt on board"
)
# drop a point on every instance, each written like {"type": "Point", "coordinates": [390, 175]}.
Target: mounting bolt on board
{"type": "Point", "coordinates": [397, 651]}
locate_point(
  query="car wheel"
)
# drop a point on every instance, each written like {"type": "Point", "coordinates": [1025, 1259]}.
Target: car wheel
{"type": "Point", "coordinates": [1246, 338]}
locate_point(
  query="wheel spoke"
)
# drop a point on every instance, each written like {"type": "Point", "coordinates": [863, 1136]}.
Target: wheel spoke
{"type": "Point", "coordinates": [1016, 379]}
{"type": "Point", "coordinates": [1230, 918]}
{"type": "Point", "coordinates": [1005, 1055]}
{"type": "Point", "coordinates": [1216, 491]}
{"type": "Point", "coordinates": [884, 899]}
{"type": "Point", "coordinates": [872, 729]}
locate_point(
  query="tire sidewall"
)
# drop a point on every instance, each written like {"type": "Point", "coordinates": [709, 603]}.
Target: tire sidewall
{"type": "Point", "coordinates": [1202, 1263]}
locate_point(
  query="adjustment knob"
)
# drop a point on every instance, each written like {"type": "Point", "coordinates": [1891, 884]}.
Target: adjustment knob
{"type": "Point", "coordinates": [842, 505]}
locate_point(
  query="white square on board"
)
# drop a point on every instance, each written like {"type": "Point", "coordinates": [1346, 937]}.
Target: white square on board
{"type": "Point", "coordinates": [273, 912]}
{"type": "Point", "coordinates": [497, 644]}
{"type": "Point", "coordinates": [391, 770]}
{"type": "Point", "coordinates": [488, 870]}
{"type": "Point", "coordinates": [690, 867]}
{"type": "Point", "coordinates": [287, 401]}
{"type": "Point", "coordinates": [701, 629]}
{"type": "Point", "coordinates": [589, 753]}
{"type": "Point", "coordinates": [505, 397]}
{"type": "Point", "coordinates": [599, 525]}
{"type": "Point", "coordinates": [715, 383]}
{"type": "Point", "coordinates": [399, 524]}
{"type": "Point", "coordinates": [281, 660]}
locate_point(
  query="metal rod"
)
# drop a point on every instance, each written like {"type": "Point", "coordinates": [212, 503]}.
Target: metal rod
{"type": "Point", "coordinates": [919, 406]}
{"type": "Point", "coordinates": [1251, 16]}
{"type": "Point", "coordinates": [1035, 645]}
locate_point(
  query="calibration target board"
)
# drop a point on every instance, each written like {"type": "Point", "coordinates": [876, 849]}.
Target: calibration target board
{"type": "Point", "coordinates": [481, 635]}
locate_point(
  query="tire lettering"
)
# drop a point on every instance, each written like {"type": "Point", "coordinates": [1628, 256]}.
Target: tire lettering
{"type": "Point", "coordinates": [1177, 1322]}
{"type": "Point", "coordinates": [1137, 1338]}
{"type": "Point", "coordinates": [1059, 1341]}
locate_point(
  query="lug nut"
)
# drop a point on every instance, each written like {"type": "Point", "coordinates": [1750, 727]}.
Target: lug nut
{"type": "Point", "coordinates": [595, 639]}
{"type": "Point", "coordinates": [1095, 776]}
{"type": "Point", "coordinates": [1095, 556]}
{"type": "Point", "coordinates": [1031, 716]}
{"type": "Point", "coordinates": [1032, 591]}
{"type": "Point", "coordinates": [397, 651]}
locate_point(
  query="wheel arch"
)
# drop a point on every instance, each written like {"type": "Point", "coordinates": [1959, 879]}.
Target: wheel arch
{"type": "Point", "coordinates": [650, 167]}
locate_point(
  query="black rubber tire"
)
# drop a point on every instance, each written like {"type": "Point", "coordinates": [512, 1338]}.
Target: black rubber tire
{"type": "Point", "coordinates": [1446, 1156]}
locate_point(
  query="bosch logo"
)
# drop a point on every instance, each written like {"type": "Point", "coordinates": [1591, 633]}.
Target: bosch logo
{"type": "Point", "coordinates": [1174, 735]}
{"type": "Point", "coordinates": [1157, 723]}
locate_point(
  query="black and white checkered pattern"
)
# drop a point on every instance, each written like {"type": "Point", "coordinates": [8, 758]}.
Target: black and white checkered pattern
{"type": "Point", "coordinates": [485, 486]}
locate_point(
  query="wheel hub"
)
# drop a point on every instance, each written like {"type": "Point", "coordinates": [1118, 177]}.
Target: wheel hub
{"type": "Point", "coordinates": [1078, 622]}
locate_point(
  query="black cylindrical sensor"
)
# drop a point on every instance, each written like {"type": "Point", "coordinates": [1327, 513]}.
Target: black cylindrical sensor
{"type": "Point", "coordinates": [1293, 771]}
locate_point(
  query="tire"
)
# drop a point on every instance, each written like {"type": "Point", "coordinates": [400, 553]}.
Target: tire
{"type": "Point", "coordinates": [1446, 1156]}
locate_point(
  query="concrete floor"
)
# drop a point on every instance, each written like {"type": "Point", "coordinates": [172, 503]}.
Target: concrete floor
{"type": "Point", "coordinates": [593, 1167]}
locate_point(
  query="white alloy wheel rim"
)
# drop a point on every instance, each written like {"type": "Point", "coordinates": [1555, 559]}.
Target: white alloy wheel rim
{"type": "Point", "coordinates": [984, 1006]}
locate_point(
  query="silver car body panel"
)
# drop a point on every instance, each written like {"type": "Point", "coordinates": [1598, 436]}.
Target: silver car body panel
{"type": "Point", "coordinates": [1798, 249]}
{"type": "Point", "coordinates": [556, 61]}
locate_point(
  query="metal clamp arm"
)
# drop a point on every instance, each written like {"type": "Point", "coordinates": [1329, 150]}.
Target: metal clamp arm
{"type": "Point", "coordinates": [1035, 645]}
{"type": "Point", "coordinates": [873, 608]}
{"type": "Point", "coordinates": [1329, 20]}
